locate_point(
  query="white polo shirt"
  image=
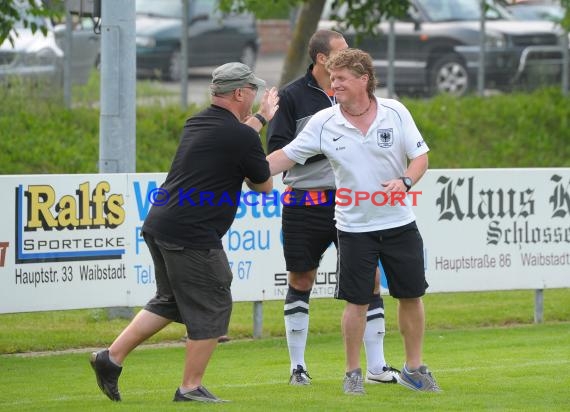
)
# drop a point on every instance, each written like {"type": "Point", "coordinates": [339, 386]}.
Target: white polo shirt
{"type": "Point", "coordinates": [361, 163]}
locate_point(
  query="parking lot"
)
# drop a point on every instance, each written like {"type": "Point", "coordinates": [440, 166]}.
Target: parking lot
{"type": "Point", "coordinates": [268, 68]}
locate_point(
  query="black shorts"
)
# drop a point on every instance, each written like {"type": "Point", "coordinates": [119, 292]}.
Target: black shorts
{"type": "Point", "coordinates": [308, 230]}
{"type": "Point", "coordinates": [193, 287]}
{"type": "Point", "coordinates": [401, 252]}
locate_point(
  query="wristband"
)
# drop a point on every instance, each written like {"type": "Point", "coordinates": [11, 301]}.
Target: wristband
{"type": "Point", "coordinates": [261, 119]}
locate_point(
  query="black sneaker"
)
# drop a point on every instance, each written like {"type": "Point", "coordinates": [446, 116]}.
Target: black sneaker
{"type": "Point", "coordinates": [107, 374]}
{"type": "Point", "coordinates": [224, 339]}
{"type": "Point", "coordinates": [200, 394]}
{"type": "Point", "coordinates": [299, 377]}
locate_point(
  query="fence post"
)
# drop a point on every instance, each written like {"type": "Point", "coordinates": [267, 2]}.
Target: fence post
{"type": "Point", "coordinates": [257, 319]}
{"type": "Point", "coordinates": [538, 305]}
{"type": "Point", "coordinates": [565, 63]}
{"type": "Point", "coordinates": [481, 71]}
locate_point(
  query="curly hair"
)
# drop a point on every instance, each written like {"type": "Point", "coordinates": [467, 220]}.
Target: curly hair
{"type": "Point", "coordinates": [358, 62]}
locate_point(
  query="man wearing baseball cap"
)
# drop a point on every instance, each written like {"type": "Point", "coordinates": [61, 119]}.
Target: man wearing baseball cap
{"type": "Point", "coordinates": [218, 151]}
{"type": "Point", "coordinates": [229, 83]}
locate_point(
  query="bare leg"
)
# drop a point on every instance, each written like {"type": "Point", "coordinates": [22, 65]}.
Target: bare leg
{"type": "Point", "coordinates": [353, 324]}
{"type": "Point", "coordinates": [198, 354]}
{"type": "Point", "coordinates": [302, 280]}
{"type": "Point", "coordinates": [377, 281]}
{"type": "Point", "coordinates": [143, 326]}
{"type": "Point", "coordinates": [411, 319]}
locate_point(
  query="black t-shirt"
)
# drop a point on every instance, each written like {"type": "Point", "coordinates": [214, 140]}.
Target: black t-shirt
{"type": "Point", "coordinates": [215, 154]}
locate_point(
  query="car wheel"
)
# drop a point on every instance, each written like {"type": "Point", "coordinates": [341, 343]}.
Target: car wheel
{"type": "Point", "coordinates": [449, 75]}
{"type": "Point", "coordinates": [249, 56]}
{"type": "Point", "coordinates": [173, 70]}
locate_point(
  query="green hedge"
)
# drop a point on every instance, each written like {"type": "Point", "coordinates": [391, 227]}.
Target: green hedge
{"type": "Point", "coordinates": [514, 130]}
{"type": "Point", "coordinates": [510, 130]}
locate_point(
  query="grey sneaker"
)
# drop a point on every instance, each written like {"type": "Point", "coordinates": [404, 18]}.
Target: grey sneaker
{"type": "Point", "coordinates": [419, 380]}
{"type": "Point", "coordinates": [353, 383]}
{"type": "Point", "coordinates": [200, 394]}
{"type": "Point", "coordinates": [300, 377]}
{"type": "Point", "coordinates": [388, 375]}
{"type": "Point", "coordinates": [107, 374]}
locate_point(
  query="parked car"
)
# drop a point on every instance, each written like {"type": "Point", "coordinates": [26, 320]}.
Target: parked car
{"type": "Point", "coordinates": [437, 48]}
{"type": "Point", "coordinates": [536, 10]}
{"type": "Point", "coordinates": [214, 37]}
{"type": "Point", "coordinates": [41, 57]}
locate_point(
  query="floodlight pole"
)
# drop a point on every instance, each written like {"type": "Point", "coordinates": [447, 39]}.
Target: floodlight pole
{"type": "Point", "coordinates": [117, 123]}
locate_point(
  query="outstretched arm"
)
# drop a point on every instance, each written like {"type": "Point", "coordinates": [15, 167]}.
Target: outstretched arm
{"type": "Point", "coordinates": [279, 162]}
{"type": "Point", "coordinates": [264, 187]}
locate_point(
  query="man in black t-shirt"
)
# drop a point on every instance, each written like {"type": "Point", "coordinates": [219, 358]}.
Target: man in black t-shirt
{"type": "Point", "coordinates": [218, 151]}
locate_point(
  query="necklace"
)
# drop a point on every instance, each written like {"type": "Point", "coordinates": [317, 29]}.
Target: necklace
{"type": "Point", "coordinates": [358, 114]}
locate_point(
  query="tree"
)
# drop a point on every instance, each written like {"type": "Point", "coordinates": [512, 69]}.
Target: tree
{"type": "Point", "coordinates": [12, 11]}
{"type": "Point", "coordinates": [565, 22]}
{"type": "Point", "coordinates": [361, 15]}
{"type": "Point", "coordinates": [307, 22]}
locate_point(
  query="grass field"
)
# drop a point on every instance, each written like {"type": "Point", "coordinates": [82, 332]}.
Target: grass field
{"type": "Point", "coordinates": [59, 330]}
{"type": "Point", "coordinates": [482, 347]}
{"type": "Point", "coordinates": [496, 369]}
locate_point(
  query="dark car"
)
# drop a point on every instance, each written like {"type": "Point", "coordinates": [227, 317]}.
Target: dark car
{"type": "Point", "coordinates": [214, 37]}
{"type": "Point", "coordinates": [437, 48]}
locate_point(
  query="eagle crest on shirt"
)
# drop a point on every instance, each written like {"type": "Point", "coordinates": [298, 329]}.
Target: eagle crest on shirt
{"type": "Point", "coordinates": [385, 138]}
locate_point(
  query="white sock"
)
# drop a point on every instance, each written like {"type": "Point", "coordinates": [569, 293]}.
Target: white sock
{"type": "Point", "coordinates": [374, 341]}
{"type": "Point", "coordinates": [297, 329]}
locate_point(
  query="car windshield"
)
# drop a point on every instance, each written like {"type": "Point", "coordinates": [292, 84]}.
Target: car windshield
{"type": "Point", "coordinates": [537, 12]}
{"type": "Point", "coordinates": [163, 8]}
{"type": "Point", "coordinates": [446, 10]}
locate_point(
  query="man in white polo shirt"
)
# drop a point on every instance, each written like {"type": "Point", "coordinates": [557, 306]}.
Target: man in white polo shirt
{"type": "Point", "coordinates": [377, 154]}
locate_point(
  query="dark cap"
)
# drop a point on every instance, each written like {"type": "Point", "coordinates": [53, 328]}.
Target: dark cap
{"type": "Point", "coordinates": [231, 76]}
